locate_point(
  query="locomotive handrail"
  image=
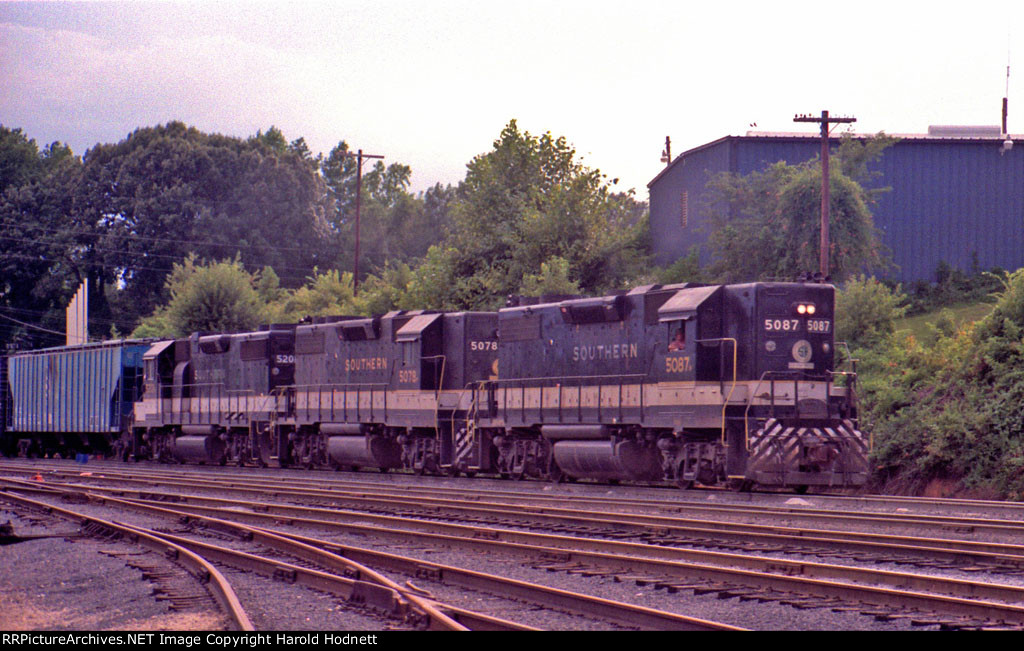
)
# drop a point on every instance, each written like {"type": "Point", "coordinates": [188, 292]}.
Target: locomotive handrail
{"type": "Point", "coordinates": [750, 403]}
{"type": "Point", "coordinates": [735, 364]}
{"type": "Point", "coordinates": [437, 389]}
{"type": "Point", "coordinates": [793, 376]}
{"type": "Point", "coordinates": [209, 391]}
{"type": "Point", "coordinates": [346, 387]}
{"type": "Point", "coordinates": [616, 378]}
{"type": "Point", "coordinates": [567, 377]}
{"type": "Point", "coordinates": [472, 414]}
{"type": "Point", "coordinates": [852, 373]}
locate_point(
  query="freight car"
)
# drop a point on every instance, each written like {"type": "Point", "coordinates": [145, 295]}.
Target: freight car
{"type": "Point", "coordinates": [721, 384]}
{"type": "Point", "coordinates": [7, 447]}
{"type": "Point", "coordinates": [67, 400]}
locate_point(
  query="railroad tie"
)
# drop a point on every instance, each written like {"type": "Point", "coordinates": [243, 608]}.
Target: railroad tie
{"type": "Point", "coordinates": [805, 603]}
{"type": "Point", "coordinates": [621, 535]}
{"type": "Point", "coordinates": [571, 568]}
{"type": "Point", "coordinates": [888, 617]}
{"type": "Point", "coordinates": [708, 589]}
{"type": "Point", "coordinates": [735, 591]}
{"type": "Point", "coordinates": [638, 579]}
{"type": "Point", "coordinates": [673, 587]}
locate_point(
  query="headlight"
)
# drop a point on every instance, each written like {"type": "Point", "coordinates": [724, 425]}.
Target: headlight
{"type": "Point", "coordinates": [805, 308]}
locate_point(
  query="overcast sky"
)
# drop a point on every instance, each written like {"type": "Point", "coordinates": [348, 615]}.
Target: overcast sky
{"type": "Point", "coordinates": [431, 83]}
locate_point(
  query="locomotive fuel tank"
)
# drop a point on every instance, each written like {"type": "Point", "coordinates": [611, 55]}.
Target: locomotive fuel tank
{"type": "Point", "coordinates": [199, 444]}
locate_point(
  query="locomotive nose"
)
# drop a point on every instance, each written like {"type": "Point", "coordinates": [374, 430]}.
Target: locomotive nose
{"type": "Point", "coordinates": [803, 351]}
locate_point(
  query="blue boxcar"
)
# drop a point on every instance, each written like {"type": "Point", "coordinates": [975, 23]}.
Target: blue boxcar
{"type": "Point", "coordinates": [74, 397]}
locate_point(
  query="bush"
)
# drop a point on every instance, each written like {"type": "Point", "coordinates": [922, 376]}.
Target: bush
{"type": "Point", "coordinates": [866, 312]}
{"type": "Point", "coordinates": [952, 409]}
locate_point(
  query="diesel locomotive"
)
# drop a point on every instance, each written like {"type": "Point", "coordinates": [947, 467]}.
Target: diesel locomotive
{"type": "Point", "coordinates": [693, 384]}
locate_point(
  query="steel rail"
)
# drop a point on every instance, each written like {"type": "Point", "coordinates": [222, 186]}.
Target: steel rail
{"type": "Point", "coordinates": [1000, 553]}
{"type": "Point", "coordinates": [1000, 556]}
{"type": "Point", "coordinates": [675, 505]}
{"type": "Point", "coordinates": [1012, 527]}
{"type": "Point", "coordinates": [198, 566]}
{"type": "Point", "coordinates": [437, 620]}
{"type": "Point", "coordinates": [623, 613]}
{"type": "Point", "coordinates": [975, 599]}
{"type": "Point", "coordinates": [787, 576]}
{"type": "Point", "coordinates": [351, 587]}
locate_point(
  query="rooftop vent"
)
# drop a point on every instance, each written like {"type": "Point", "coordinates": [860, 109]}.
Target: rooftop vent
{"type": "Point", "coordinates": [964, 131]}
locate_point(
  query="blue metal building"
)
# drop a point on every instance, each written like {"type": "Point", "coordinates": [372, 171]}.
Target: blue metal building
{"type": "Point", "coordinates": [957, 196]}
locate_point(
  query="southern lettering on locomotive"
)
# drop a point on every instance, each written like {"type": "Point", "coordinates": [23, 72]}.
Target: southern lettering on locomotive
{"type": "Point", "coordinates": [688, 383]}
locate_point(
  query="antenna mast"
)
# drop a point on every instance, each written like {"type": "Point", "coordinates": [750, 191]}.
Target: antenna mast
{"type": "Point", "coordinates": [1006, 95]}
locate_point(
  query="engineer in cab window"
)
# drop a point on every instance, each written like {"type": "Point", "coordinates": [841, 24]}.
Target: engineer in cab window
{"type": "Point", "coordinates": [678, 342]}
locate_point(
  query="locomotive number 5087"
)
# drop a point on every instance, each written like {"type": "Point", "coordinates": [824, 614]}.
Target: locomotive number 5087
{"type": "Point", "coordinates": [781, 325]}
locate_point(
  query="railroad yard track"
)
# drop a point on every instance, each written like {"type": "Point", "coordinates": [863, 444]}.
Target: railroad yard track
{"type": "Point", "coordinates": [446, 554]}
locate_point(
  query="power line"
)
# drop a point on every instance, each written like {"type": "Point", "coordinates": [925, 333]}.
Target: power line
{"type": "Point", "coordinates": [826, 182]}
{"type": "Point", "coordinates": [29, 325]}
{"type": "Point", "coordinates": [93, 232]}
{"type": "Point", "coordinates": [359, 195]}
{"type": "Point", "coordinates": [131, 255]}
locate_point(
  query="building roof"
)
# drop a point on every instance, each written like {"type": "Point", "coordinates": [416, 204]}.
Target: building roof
{"type": "Point", "coordinates": [936, 134]}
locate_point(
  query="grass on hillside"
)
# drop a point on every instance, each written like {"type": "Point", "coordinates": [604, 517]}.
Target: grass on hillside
{"type": "Point", "coordinates": [960, 313]}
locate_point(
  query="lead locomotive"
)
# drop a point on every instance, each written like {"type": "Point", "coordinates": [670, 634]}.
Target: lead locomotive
{"type": "Point", "coordinates": [721, 384]}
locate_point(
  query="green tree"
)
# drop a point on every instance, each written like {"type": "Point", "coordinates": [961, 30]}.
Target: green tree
{"type": "Point", "coordinates": [20, 160]}
{"type": "Point", "coordinates": [206, 297]}
{"type": "Point", "coordinates": [388, 291]}
{"type": "Point", "coordinates": [552, 279]}
{"type": "Point", "coordinates": [166, 191]}
{"type": "Point", "coordinates": [684, 270]}
{"type": "Point", "coordinates": [522, 204]}
{"type": "Point", "coordinates": [766, 225]}
{"type": "Point", "coordinates": [395, 226]}
{"type": "Point", "coordinates": [324, 294]}
{"type": "Point", "coordinates": [867, 311]}
{"type": "Point", "coordinates": [42, 257]}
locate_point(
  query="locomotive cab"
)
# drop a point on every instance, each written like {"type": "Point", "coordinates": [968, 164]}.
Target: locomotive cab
{"type": "Point", "coordinates": [696, 312]}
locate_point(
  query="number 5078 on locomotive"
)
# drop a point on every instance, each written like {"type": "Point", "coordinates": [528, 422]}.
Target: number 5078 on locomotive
{"type": "Point", "coordinates": [710, 384]}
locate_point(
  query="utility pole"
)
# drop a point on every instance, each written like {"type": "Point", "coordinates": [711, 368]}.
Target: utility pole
{"type": "Point", "coordinates": [825, 121]}
{"type": "Point", "coordinates": [359, 198]}
{"type": "Point", "coordinates": [666, 156]}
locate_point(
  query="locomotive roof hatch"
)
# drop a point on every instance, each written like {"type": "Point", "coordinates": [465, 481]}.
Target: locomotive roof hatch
{"type": "Point", "coordinates": [359, 329]}
{"type": "Point", "coordinates": [157, 348]}
{"type": "Point", "coordinates": [686, 302]}
{"type": "Point", "coordinates": [605, 309]}
{"type": "Point", "coordinates": [413, 330]}
{"type": "Point", "coordinates": [214, 344]}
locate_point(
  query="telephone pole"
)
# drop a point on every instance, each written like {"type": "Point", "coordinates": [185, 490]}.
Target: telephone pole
{"type": "Point", "coordinates": [359, 156]}
{"type": "Point", "coordinates": [825, 121]}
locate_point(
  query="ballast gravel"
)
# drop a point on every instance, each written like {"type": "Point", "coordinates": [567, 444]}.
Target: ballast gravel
{"type": "Point", "coordinates": [64, 583]}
